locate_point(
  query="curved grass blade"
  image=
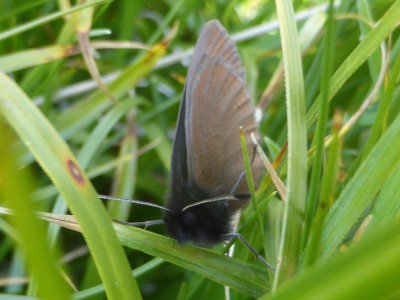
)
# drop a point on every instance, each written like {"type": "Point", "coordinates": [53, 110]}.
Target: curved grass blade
{"type": "Point", "coordinates": [27, 229]}
{"type": "Point", "coordinates": [60, 165]}
{"type": "Point", "coordinates": [243, 277]}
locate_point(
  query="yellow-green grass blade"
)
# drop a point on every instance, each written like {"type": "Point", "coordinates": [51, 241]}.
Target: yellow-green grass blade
{"type": "Point", "coordinates": [60, 165]}
{"type": "Point", "coordinates": [29, 58]}
{"type": "Point", "coordinates": [27, 230]}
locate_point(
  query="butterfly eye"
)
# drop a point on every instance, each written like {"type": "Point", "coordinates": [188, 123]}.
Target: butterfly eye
{"type": "Point", "coordinates": [189, 219]}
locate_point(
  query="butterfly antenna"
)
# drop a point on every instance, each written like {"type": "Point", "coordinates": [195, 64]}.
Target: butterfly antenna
{"type": "Point", "coordinates": [134, 201]}
{"type": "Point", "coordinates": [216, 199]}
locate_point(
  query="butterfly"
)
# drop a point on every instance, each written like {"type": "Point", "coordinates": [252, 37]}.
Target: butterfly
{"type": "Point", "coordinates": [207, 189]}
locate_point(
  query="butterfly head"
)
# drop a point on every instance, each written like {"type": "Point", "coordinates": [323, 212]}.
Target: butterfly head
{"type": "Point", "coordinates": [204, 225]}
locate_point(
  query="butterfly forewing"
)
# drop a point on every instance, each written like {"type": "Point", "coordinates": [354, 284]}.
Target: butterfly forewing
{"type": "Point", "coordinates": [220, 105]}
{"type": "Point", "coordinates": [214, 42]}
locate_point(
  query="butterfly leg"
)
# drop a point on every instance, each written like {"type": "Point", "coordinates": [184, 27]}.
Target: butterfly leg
{"type": "Point", "coordinates": [238, 236]}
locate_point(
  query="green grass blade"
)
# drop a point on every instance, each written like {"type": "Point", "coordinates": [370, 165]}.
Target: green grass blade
{"type": "Point", "coordinates": [353, 62]}
{"type": "Point", "coordinates": [312, 200]}
{"type": "Point", "coordinates": [58, 162]}
{"type": "Point", "coordinates": [369, 271]}
{"type": "Point", "coordinates": [28, 230]}
{"type": "Point", "coordinates": [381, 120]}
{"type": "Point", "coordinates": [297, 145]}
{"type": "Point", "coordinates": [29, 58]}
{"type": "Point", "coordinates": [89, 149]}
{"type": "Point", "coordinates": [93, 291]}
{"type": "Point", "coordinates": [246, 278]}
{"type": "Point", "coordinates": [362, 188]}
{"type": "Point", "coordinates": [387, 207]}
{"type": "Point", "coordinates": [87, 111]}
{"type": "Point", "coordinates": [45, 19]}
{"type": "Point", "coordinates": [326, 196]}
{"type": "Point", "coordinates": [125, 177]}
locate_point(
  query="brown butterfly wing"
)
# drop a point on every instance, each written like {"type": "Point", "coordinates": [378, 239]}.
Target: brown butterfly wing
{"type": "Point", "coordinates": [214, 41]}
{"type": "Point", "coordinates": [220, 106]}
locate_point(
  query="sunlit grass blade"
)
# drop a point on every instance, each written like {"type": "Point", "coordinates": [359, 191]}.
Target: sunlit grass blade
{"type": "Point", "coordinates": [297, 145]}
{"type": "Point", "coordinates": [29, 58]}
{"type": "Point", "coordinates": [28, 231]}
{"type": "Point", "coordinates": [60, 165]}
